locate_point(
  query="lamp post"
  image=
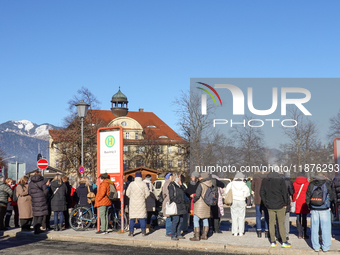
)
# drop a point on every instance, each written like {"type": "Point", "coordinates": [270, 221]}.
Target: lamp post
{"type": "Point", "coordinates": [82, 110]}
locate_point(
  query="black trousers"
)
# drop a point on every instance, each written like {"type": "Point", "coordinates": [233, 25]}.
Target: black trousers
{"type": "Point", "coordinates": [26, 224]}
{"type": "Point", "coordinates": [37, 222]}
{"type": "Point", "coordinates": [66, 218]}
{"type": "Point", "coordinates": [3, 210]}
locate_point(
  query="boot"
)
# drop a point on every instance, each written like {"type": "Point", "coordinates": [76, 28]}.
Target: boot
{"type": "Point", "coordinates": [130, 234]}
{"type": "Point", "coordinates": [56, 227]}
{"type": "Point", "coordinates": [60, 227]}
{"type": "Point", "coordinates": [143, 232]}
{"type": "Point", "coordinates": [196, 234]}
{"type": "Point", "coordinates": [205, 233]}
{"type": "Point", "coordinates": [217, 226]}
{"type": "Point", "coordinates": [259, 234]}
{"type": "Point", "coordinates": [266, 234]}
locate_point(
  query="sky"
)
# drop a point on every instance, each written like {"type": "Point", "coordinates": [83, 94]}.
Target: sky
{"type": "Point", "coordinates": [151, 49]}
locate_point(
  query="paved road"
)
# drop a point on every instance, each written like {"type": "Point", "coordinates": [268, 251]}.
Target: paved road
{"type": "Point", "coordinates": [15, 246]}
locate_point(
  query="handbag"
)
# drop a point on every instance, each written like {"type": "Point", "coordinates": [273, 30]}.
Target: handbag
{"type": "Point", "coordinates": [91, 197]}
{"type": "Point", "coordinates": [228, 198]}
{"type": "Point", "coordinates": [293, 204]}
{"type": "Point", "coordinates": [171, 209]}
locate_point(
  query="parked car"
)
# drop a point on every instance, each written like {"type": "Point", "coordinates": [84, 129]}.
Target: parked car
{"type": "Point", "coordinates": [158, 184]}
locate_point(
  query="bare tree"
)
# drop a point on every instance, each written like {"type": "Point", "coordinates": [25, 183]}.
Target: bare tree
{"type": "Point", "coordinates": [68, 143]}
{"type": "Point", "coordinates": [334, 129]}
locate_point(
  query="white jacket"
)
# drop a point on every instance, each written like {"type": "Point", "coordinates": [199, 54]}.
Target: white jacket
{"type": "Point", "coordinates": [240, 190]}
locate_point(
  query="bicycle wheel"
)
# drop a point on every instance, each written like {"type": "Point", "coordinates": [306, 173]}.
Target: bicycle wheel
{"type": "Point", "coordinates": [81, 218]}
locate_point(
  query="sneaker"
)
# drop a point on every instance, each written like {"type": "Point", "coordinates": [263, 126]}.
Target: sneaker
{"type": "Point", "coordinates": [167, 235]}
{"type": "Point", "coordinates": [240, 234]}
{"type": "Point", "coordinates": [286, 245]}
{"type": "Point", "coordinates": [248, 206]}
{"type": "Point", "coordinates": [130, 234]}
{"type": "Point", "coordinates": [234, 234]}
{"type": "Point", "coordinates": [101, 232]}
{"type": "Point", "coordinates": [180, 237]}
{"type": "Point", "coordinates": [174, 238]}
{"type": "Point", "coordinates": [273, 245]}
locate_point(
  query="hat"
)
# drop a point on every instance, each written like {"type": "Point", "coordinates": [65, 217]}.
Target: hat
{"type": "Point", "coordinates": [239, 175]}
{"type": "Point", "coordinates": [167, 175]}
{"type": "Point", "coordinates": [195, 174]}
{"type": "Point", "coordinates": [104, 176]}
{"type": "Point", "coordinates": [302, 173]}
{"type": "Point", "coordinates": [204, 175]}
{"type": "Point", "coordinates": [138, 174]}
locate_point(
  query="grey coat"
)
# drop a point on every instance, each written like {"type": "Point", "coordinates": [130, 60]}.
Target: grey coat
{"type": "Point", "coordinates": [5, 193]}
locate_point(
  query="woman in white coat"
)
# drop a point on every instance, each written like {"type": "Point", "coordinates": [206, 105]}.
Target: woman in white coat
{"type": "Point", "coordinates": [238, 208]}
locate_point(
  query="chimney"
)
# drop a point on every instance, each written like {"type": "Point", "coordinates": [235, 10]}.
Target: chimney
{"type": "Point", "coordinates": [141, 110]}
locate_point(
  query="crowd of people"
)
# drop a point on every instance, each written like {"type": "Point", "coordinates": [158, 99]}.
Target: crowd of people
{"type": "Point", "coordinates": [198, 204]}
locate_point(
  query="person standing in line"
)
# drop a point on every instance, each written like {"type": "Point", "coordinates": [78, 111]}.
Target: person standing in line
{"type": "Point", "coordinates": [65, 180]}
{"type": "Point", "coordinates": [190, 192]}
{"type": "Point", "coordinates": [336, 190]}
{"type": "Point", "coordinates": [10, 207]}
{"type": "Point", "coordinates": [274, 195]}
{"type": "Point", "coordinates": [319, 199]}
{"type": "Point", "coordinates": [47, 218]}
{"type": "Point", "coordinates": [80, 195]}
{"type": "Point", "coordinates": [215, 209]}
{"type": "Point", "coordinates": [301, 209]}
{"type": "Point", "coordinates": [176, 194]}
{"type": "Point", "coordinates": [165, 193]}
{"type": "Point", "coordinates": [150, 203]}
{"type": "Point", "coordinates": [24, 204]}
{"type": "Point", "coordinates": [102, 202]}
{"type": "Point", "coordinates": [38, 192]}
{"type": "Point", "coordinates": [137, 192]}
{"type": "Point", "coordinates": [249, 198]}
{"type": "Point", "coordinates": [58, 201]}
{"type": "Point", "coordinates": [259, 206]}
{"type": "Point", "coordinates": [238, 208]}
{"type": "Point", "coordinates": [201, 209]}
{"type": "Point", "coordinates": [5, 193]}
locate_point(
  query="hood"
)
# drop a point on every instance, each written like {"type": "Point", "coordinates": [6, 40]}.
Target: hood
{"type": "Point", "coordinates": [319, 180]}
{"type": "Point", "coordinates": [207, 182]}
{"type": "Point", "coordinates": [37, 178]}
{"type": "Point", "coordinates": [274, 175]}
{"type": "Point", "coordinates": [301, 180]}
{"type": "Point", "coordinates": [238, 184]}
{"type": "Point", "coordinates": [55, 184]}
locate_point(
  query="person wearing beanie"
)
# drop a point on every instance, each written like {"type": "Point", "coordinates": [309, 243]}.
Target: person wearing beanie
{"type": "Point", "coordinates": [150, 203]}
{"type": "Point", "coordinates": [238, 208]}
{"type": "Point", "coordinates": [103, 202]}
{"type": "Point", "coordinates": [166, 198]}
{"type": "Point", "coordinates": [201, 209]}
{"type": "Point", "coordinates": [137, 192]}
{"type": "Point", "coordinates": [301, 209]}
{"type": "Point", "coordinates": [190, 192]}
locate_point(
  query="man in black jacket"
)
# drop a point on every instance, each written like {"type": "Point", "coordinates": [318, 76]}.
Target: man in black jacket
{"type": "Point", "coordinates": [336, 190]}
{"type": "Point", "coordinates": [274, 196]}
{"type": "Point", "coordinates": [320, 214]}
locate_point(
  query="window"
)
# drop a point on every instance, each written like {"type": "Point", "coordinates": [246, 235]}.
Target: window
{"type": "Point", "coordinates": [139, 162]}
{"type": "Point", "coordinates": [141, 149]}
{"type": "Point", "coordinates": [127, 135]}
{"type": "Point", "coordinates": [170, 149]}
{"type": "Point", "coordinates": [158, 149]}
{"type": "Point", "coordinates": [56, 147]}
{"type": "Point", "coordinates": [159, 163]}
{"type": "Point", "coordinates": [180, 163]}
{"type": "Point", "coordinates": [123, 123]}
{"type": "Point", "coordinates": [126, 164]}
{"type": "Point", "coordinates": [125, 148]}
{"type": "Point", "coordinates": [57, 163]}
{"type": "Point", "coordinates": [180, 150]}
{"type": "Point", "coordinates": [136, 136]}
{"type": "Point", "coordinates": [169, 163]}
{"type": "Point", "coordinates": [158, 185]}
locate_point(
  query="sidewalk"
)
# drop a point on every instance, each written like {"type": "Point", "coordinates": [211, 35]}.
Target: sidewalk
{"type": "Point", "coordinates": [225, 243]}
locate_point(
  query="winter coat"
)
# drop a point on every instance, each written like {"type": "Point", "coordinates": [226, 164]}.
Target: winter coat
{"type": "Point", "coordinates": [24, 202]}
{"type": "Point", "coordinates": [137, 193]}
{"type": "Point", "coordinates": [290, 190]}
{"type": "Point", "coordinates": [103, 193]}
{"type": "Point", "coordinates": [300, 205]}
{"type": "Point", "coordinates": [239, 188]}
{"type": "Point", "coordinates": [151, 200]}
{"type": "Point", "coordinates": [216, 184]}
{"type": "Point", "coordinates": [273, 192]}
{"type": "Point", "coordinates": [201, 209]}
{"type": "Point", "coordinates": [5, 193]}
{"type": "Point", "coordinates": [336, 189]}
{"type": "Point", "coordinates": [256, 186]}
{"type": "Point", "coordinates": [38, 191]}
{"type": "Point", "coordinates": [220, 202]}
{"type": "Point", "coordinates": [319, 181]}
{"type": "Point", "coordinates": [68, 194]}
{"type": "Point", "coordinates": [80, 195]}
{"type": "Point", "coordinates": [176, 194]}
{"type": "Point", "coordinates": [165, 193]}
{"type": "Point", "coordinates": [58, 200]}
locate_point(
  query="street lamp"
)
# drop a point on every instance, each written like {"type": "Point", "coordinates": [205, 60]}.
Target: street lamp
{"type": "Point", "coordinates": [82, 110]}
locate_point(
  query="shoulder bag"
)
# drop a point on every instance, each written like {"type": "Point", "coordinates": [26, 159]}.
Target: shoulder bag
{"type": "Point", "coordinates": [293, 204]}
{"type": "Point", "coordinates": [171, 209]}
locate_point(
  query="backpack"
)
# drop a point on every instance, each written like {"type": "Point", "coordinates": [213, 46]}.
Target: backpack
{"type": "Point", "coordinates": [320, 198]}
{"type": "Point", "coordinates": [210, 197]}
{"type": "Point", "coordinates": [113, 193]}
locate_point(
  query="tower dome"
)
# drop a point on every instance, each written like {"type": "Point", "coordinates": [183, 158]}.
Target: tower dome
{"type": "Point", "coordinates": [119, 104]}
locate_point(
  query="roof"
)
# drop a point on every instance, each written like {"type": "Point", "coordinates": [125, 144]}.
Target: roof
{"type": "Point", "coordinates": [161, 131]}
{"type": "Point", "coordinates": [140, 169]}
{"type": "Point", "coordinates": [49, 172]}
{"type": "Point", "coordinates": [118, 97]}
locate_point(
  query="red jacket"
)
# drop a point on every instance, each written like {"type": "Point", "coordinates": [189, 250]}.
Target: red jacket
{"type": "Point", "coordinates": [301, 206]}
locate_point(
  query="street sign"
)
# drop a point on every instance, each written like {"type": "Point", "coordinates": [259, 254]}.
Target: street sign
{"type": "Point", "coordinates": [42, 163]}
{"type": "Point", "coordinates": [81, 169]}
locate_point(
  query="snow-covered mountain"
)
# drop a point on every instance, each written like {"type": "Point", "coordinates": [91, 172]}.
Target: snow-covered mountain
{"type": "Point", "coordinates": [27, 128]}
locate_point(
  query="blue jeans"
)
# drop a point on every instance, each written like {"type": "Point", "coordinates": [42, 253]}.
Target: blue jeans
{"type": "Point", "coordinates": [323, 219]}
{"type": "Point", "coordinates": [59, 215]}
{"type": "Point", "coordinates": [177, 221]}
{"type": "Point", "coordinates": [259, 209]}
{"type": "Point", "coordinates": [197, 222]}
{"type": "Point", "coordinates": [142, 223]}
{"type": "Point", "coordinates": [168, 225]}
